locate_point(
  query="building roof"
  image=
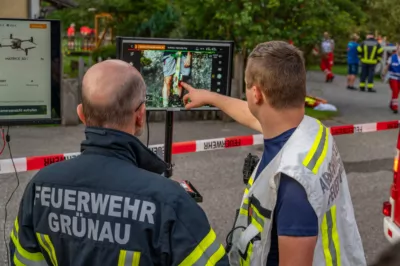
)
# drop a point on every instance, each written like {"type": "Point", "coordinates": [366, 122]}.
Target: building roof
{"type": "Point", "coordinates": [62, 3]}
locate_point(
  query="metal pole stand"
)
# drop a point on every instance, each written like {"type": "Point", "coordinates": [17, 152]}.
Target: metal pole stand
{"type": "Point", "coordinates": [169, 131]}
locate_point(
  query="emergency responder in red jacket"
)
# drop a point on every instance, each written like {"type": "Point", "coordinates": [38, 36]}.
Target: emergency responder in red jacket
{"type": "Point", "coordinates": [110, 205]}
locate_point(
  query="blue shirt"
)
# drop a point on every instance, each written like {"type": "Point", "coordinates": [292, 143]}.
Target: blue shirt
{"type": "Point", "coordinates": [352, 54]}
{"type": "Point", "coordinates": [293, 214]}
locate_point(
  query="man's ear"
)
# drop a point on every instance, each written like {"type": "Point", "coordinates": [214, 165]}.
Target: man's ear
{"type": "Point", "coordinates": [141, 116]}
{"type": "Point", "coordinates": [257, 94]}
{"type": "Point", "coordinates": [79, 111]}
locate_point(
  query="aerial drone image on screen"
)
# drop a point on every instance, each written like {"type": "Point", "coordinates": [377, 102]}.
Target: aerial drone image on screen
{"type": "Point", "coordinates": [17, 43]}
{"type": "Point", "coordinates": [164, 70]}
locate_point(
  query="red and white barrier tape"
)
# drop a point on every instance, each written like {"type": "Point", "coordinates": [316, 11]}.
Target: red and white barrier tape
{"type": "Point", "coordinates": [38, 162]}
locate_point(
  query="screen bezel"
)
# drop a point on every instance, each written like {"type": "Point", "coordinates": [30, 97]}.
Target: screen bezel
{"type": "Point", "coordinates": [229, 44]}
{"type": "Point", "coordinates": [55, 53]}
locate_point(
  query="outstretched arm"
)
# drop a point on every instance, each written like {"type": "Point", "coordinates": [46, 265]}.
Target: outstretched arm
{"type": "Point", "coordinates": [235, 108]}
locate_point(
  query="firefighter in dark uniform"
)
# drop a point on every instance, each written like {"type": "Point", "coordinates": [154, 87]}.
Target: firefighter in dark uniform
{"type": "Point", "coordinates": [110, 205]}
{"type": "Point", "coordinates": [370, 53]}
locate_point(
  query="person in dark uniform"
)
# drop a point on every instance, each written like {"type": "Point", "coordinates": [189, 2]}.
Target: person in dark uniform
{"type": "Point", "coordinates": [370, 53]}
{"type": "Point", "coordinates": [110, 205]}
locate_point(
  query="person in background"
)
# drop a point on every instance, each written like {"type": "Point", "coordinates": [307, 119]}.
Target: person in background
{"type": "Point", "coordinates": [327, 48]}
{"type": "Point", "coordinates": [352, 61]}
{"type": "Point", "coordinates": [390, 257]}
{"type": "Point", "coordinates": [71, 36]}
{"type": "Point", "coordinates": [370, 53]}
{"type": "Point", "coordinates": [393, 67]}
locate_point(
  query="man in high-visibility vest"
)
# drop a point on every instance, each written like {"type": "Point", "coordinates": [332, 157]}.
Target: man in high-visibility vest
{"type": "Point", "coordinates": [296, 208]}
{"type": "Point", "coordinates": [370, 53]}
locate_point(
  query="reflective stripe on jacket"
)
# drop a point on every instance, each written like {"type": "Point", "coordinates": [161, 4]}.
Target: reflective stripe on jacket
{"type": "Point", "coordinates": [110, 206]}
{"type": "Point", "coordinates": [323, 177]}
{"type": "Point", "coordinates": [370, 52]}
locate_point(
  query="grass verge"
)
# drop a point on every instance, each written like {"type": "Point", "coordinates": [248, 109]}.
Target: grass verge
{"type": "Point", "coordinates": [321, 115]}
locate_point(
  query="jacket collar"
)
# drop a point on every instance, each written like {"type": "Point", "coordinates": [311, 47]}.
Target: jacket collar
{"type": "Point", "coordinates": [121, 145]}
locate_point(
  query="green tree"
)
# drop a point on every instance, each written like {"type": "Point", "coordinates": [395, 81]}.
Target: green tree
{"type": "Point", "coordinates": [251, 22]}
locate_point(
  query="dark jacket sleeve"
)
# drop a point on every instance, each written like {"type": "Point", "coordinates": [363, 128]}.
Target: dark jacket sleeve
{"type": "Point", "coordinates": [24, 247]}
{"type": "Point", "coordinates": [192, 240]}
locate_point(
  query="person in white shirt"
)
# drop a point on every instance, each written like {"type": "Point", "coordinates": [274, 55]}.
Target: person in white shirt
{"type": "Point", "coordinates": [327, 48]}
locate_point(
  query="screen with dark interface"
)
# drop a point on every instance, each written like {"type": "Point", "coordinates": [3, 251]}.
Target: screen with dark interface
{"type": "Point", "coordinates": [165, 63]}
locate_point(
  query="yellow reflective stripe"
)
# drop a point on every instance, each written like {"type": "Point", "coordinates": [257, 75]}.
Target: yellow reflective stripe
{"type": "Point", "coordinates": [372, 57]}
{"type": "Point", "coordinates": [17, 262]}
{"type": "Point", "coordinates": [217, 256]}
{"type": "Point", "coordinates": [318, 150]}
{"type": "Point", "coordinates": [250, 182]}
{"type": "Point", "coordinates": [24, 253]}
{"type": "Point", "coordinates": [16, 225]}
{"type": "Point", "coordinates": [323, 154]}
{"type": "Point", "coordinates": [53, 252]}
{"type": "Point", "coordinates": [365, 48]}
{"type": "Point", "coordinates": [246, 191]}
{"type": "Point", "coordinates": [243, 212]}
{"type": "Point", "coordinates": [201, 249]}
{"type": "Point", "coordinates": [246, 262]}
{"type": "Point", "coordinates": [256, 224]}
{"type": "Point", "coordinates": [330, 238]}
{"type": "Point", "coordinates": [121, 258]}
{"type": "Point", "coordinates": [257, 219]}
{"type": "Point", "coordinates": [136, 259]}
{"type": "Point", "coordinates": [45, 243]}
{"type": "Point", "coordinates": [370, 85]}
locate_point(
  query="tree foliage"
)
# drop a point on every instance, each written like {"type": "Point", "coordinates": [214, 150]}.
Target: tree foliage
{"type": "Point", "coordinates": [247, 22]}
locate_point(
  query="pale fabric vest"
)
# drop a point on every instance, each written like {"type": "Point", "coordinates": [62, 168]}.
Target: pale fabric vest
{"type": "Point", "coordinates": [310, 156]}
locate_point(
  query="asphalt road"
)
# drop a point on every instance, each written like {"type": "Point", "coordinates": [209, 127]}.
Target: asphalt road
{"type": "Point", "coordinates": [368, 160]}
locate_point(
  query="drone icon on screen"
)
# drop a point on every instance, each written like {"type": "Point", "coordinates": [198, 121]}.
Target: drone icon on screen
{"type": "Point", "coordinates": [16, 44]}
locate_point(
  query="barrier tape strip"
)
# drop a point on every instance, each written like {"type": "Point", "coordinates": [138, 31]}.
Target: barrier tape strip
{"type": "Point", "coordinates": [38, 162]}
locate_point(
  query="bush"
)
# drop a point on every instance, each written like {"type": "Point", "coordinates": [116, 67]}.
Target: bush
{"type": "Point", "coordinates": [105, 52]}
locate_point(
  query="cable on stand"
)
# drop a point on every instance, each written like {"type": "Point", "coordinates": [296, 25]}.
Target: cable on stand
{"type": "Point", "coordinates": [169, 131]}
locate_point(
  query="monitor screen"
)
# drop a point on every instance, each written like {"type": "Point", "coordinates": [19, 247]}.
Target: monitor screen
{"type": "Point", "coordinates": [164, 63]}
{"type": "Point", "coordinates": [30, 71]}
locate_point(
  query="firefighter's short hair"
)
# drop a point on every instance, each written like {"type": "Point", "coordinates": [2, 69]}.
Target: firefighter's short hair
{"type": "Point", "coordinates": [278, 69]}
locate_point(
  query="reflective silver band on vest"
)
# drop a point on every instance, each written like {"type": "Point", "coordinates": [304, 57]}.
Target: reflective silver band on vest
{"type": "Point", "coordinates": [330, 238]}
{"type": "Point", "coordinates": [318, 151]}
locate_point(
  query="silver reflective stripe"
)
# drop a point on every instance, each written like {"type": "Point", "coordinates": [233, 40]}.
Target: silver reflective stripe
{"type": "Point", "coordinates": [257, 218]}
{"type": "Point", "coordinates": [128, 258]}
{"type": "Point", "coordinates": [208, 253]}
{"type": "Point", "coordinates": [132, 258]}
{"type": "Point", "coordinates": [332, 248]}
{"type": "Point", "coordinates": [319, 150]}
{"type": "Point", "coordinates": [245, 206]}
{"type": "Point", "coordinates": [29, 262]}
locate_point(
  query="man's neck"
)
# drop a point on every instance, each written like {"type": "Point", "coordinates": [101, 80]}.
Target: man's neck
{"type": "Point", "coordinates": [278, 122]}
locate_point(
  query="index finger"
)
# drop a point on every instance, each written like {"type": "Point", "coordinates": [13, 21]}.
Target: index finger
{"type": "Point", "coordinates": [186, 86]}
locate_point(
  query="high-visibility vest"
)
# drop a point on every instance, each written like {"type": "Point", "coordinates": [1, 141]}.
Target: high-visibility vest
{"type": "Point", "coordinates": [310, 157]}
{"type": "Point", "coordinates": [370, 52]}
